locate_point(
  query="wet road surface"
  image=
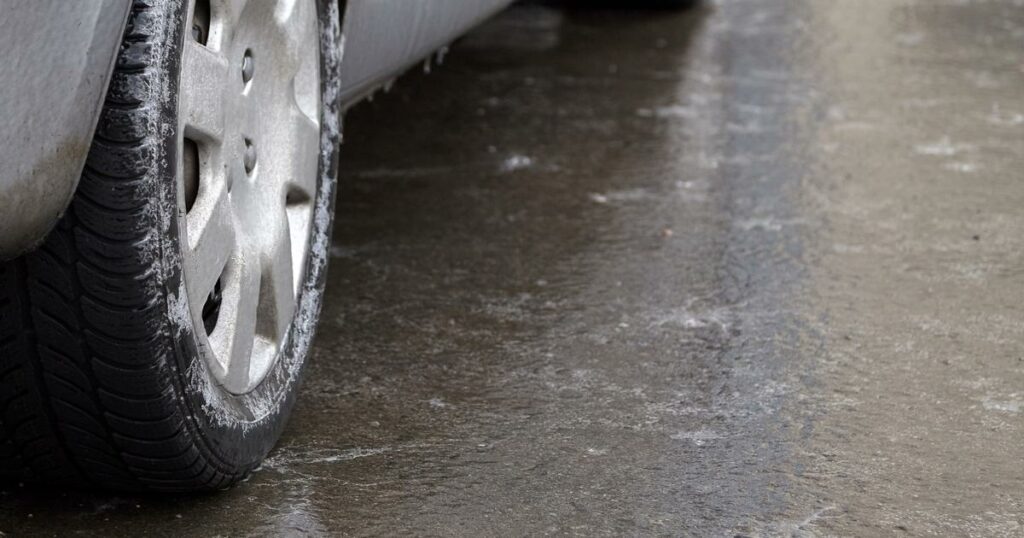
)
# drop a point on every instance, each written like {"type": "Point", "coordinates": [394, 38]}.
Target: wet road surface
{"type": "Point", "coordinates": [751, 269]}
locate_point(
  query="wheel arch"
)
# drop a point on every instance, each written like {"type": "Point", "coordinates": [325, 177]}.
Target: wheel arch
{"type": "Point", "coordinates": [61, 55]}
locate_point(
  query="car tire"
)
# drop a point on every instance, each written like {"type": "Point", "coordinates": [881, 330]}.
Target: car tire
{"type": "Point", "coordinates": [108, 374]}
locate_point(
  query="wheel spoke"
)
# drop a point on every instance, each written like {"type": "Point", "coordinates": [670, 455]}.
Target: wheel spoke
{"type": "Point", "coordinates": [203, 76]}
{"type": "Point", "coordinates": [302, 173]}
{"type": "Point", "coordinates": [236, 327]}
{"type": "Point", "coordinates": [286, 13]}
{"type": "Point", "coordinates": [211, 238]}
{"type": "Point", "coordinates": [226, 14]}
{"type": "Point", "coordinates": [277, 289]}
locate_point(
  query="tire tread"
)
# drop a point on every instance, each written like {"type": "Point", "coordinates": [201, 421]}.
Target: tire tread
{"type": "Point", "coordinates": [87, 395]}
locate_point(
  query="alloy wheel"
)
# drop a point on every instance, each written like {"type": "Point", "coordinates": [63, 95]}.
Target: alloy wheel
{"type": "Point", "coordinates": [249, 101]}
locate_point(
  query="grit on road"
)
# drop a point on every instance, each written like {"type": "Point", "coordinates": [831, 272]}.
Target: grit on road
{"type": "Point", "coordinates": [755, 268]}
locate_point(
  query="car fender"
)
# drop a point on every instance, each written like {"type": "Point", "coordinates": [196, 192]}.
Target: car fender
{"type": "Point", "coordinates": [58, 56]}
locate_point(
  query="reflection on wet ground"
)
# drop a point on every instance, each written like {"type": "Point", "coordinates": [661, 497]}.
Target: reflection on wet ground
{"type": "Point", "coordinates": [749, 269]}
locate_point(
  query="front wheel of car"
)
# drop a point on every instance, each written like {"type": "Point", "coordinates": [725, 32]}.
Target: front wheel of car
{"type": "Point", "coordinates": [156, 340]}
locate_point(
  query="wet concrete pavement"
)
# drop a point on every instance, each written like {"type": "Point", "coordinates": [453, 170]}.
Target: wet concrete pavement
{"type": "Point", "coordinates": [751, 269]}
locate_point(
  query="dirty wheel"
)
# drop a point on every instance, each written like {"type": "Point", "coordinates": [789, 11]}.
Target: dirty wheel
{"type": "Point", "coordinates": [156, 340]}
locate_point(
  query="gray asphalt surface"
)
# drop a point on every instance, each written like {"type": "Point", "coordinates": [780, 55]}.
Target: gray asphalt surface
{"type": "Point", "coordinates": [751, 269]}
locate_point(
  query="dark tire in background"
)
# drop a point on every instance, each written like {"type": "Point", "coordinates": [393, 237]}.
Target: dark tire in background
{"type": "Point", "coordinates": [105, 371]}
{"type": "Point", "coordinates": [623, 4]}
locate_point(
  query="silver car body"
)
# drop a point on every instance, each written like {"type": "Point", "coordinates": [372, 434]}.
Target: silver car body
{"type": "Point", "coordinates": [383, 37]}
{"type": "Point", "coordinates": [57, 59]}
{"type": "Point", "coordinates": [57, 56]}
